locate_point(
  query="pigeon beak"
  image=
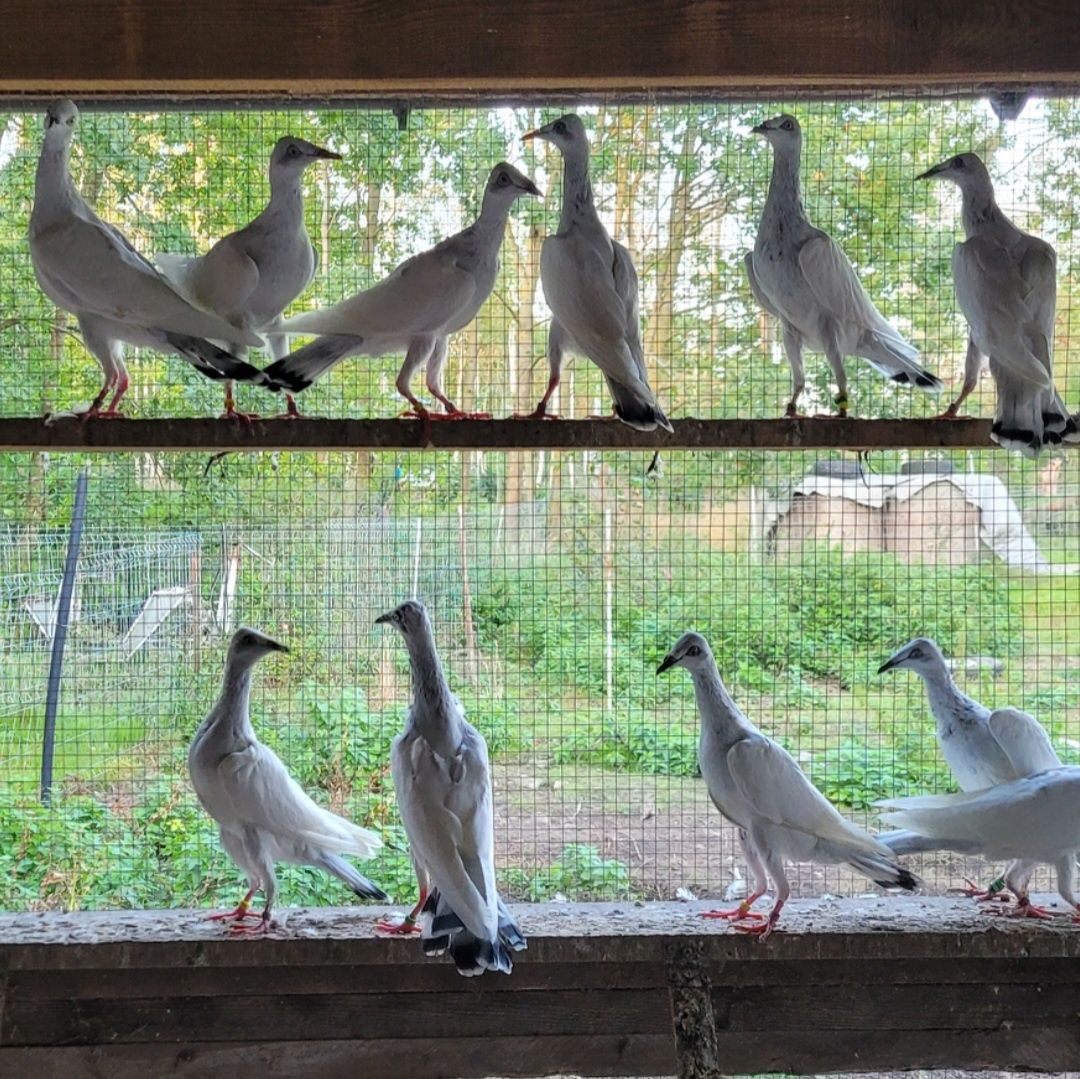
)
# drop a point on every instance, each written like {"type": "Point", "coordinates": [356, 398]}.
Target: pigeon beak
{"type": "Point", "coordinates": [530, 135]}
{"type": "Point", "coordinates": [758, 129]}
{"type": "Point", "coordinates": [277, 646]}
{"type": "Point", "coordinates": [385, 619]}
{"type": "Point", "coordinates": [327, 155]}
{"type": "Point", "coordinates": [930, 173]}
{"type": "Point", "coordinates": [667, 664]}
{"type": "Point", "coordinates": [888, 665]}
{"type": "Point", "coordinates": [531, 189]}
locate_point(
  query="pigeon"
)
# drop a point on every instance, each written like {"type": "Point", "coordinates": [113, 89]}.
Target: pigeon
{"type": "Point", "coordinates": [252, 275]}
{"type": "Point", "coordinates": [443, 785]}
{"type": "Point", "coordinates": [591, 287]}
{"type": "Point", "coordinates": [1006, 285]}
{"type": "Point", "coordinates": [756, 784]}
{"type": "Point", "coordinates": [262, 813]}
{"type": "Point", "coordinates": [416, 308]}
{"type": "Point", "coordinates": [800, 275]}
{"type": "Point", "coordinates": [87, 267]}
{"type": "Point", "coordinates": [982, 748]}
{"type": "Point", "coordinates": [1031, 821]}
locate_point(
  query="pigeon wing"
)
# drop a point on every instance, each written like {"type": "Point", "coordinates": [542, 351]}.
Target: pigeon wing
{"type": "Point", "coordinates": [769, 779]}
{"type": "Point", "coordinates": [1023, 740]}
{"type": "Point", "coordinates": [266, 796]}
{"type": "Point", "coordinates": [836, 286]}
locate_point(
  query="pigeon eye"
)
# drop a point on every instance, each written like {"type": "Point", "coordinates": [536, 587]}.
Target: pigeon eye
{"type": "Point", "coordinates": [693, 650]}
{"type": "Point", "coordinates": [916, 653]}
{"type": "Point", "coordinates": [787, 125]}
{"type": "Point", "coordinates": [958, 163]}
{"type": "Point", "coordinates": [294, 151]}
{"type": "Point", "coordinates": [503, 179]}
{"type": "Point", "coordinates": [560, 127]}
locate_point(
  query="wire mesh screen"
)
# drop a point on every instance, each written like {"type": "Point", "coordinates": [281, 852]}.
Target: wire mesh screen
{"type": "Point", "coordinates": [682, 186]}
{"type": "Point", "coordinates": [556, 584]}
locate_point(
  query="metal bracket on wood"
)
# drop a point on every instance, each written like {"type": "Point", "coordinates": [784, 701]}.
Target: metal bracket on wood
{"type": "Point", "coordinates": [692, 1016]}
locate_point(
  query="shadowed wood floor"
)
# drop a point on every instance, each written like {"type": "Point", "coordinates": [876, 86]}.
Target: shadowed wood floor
{"type": "Point", "coordinates": [604, 989]}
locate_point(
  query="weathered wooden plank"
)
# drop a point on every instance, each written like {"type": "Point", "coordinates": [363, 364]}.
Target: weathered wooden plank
{"type": "Point", "coordinates": [812, 1051]}
{"type": "Point", "coordinates": [878, 1005]}
{"type": "Point", "coordinates": [333, 1015]}
{"type": "Point", "coordinates": [311, 433]}
{"type": "Point", "coordinates": [370, 46]}
{"type": "Point", "coordinates": [497, 1054]}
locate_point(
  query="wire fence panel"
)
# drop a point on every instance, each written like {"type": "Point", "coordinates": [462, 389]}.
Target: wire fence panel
{"type": "Point", "coordinates": [556, 582]}
{"type": "Point", "coordinates": [682, 186]}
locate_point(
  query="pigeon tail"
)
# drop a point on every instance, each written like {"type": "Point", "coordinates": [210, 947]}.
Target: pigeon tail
{"type": "Point", "coordinates": [637, 408]}
{"type": "Point", "coordinates": [215, 362]}
{"type": "Point", "coordinates": [301, 368]}
{"type": "Point", "coordinates": [1025, 421]}
{"type": "Point", "coordinates": [347, 873]}
{"type": "Point", "coordinates": [882, 870]}
{"type": "Point", "coordinates": [442, 930]}
{"type": "Point", "coordinates": [893, 357]}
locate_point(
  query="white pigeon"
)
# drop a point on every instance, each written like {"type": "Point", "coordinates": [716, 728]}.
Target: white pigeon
{"type": "Point", "coordinates": [443, 784]}
{"type": "Point", "coordinates": [799, 274]}
{"type": "Point", "coordinates": [982, 748]}
{"type": "Point", "coordinates": [1006, 285]}
{"type": "Point", "coordinates": [1029, 821]}
{"type": "Point", "coordinates": [591, 286]}
{"type": "Point", "coordinates": [87, 267]}
{"type": "Point", "coordinates": [416, 308]}
{"type": "Point", "coordinates": [252, 275]}
{"type": "Point", "coordinates": [756, 784]}
{"type": "Point", "coordinates": [262, 813]}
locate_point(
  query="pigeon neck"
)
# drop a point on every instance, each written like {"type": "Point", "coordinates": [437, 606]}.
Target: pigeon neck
{"type": "Point", "coordinates": [785, 191]}
{"type": "Point", "coordinates": [719, 713]}
{"type": "Point", "coordinates": [979, 209]}
{"type": "Point", "coordinates": [942, 692]}
{"type": "Point", "coordinates": [286, 192]}
{"type": "Point", "coordinates": [492, 220]}
{"type": "Point", "coordinates": [577, 194]}
{"type": "Point", "coordinates": [232, 704]}
{"type": "Point", "coordinates": [434, 710]}
{"type": "Point", "coordinates": [54, 186]}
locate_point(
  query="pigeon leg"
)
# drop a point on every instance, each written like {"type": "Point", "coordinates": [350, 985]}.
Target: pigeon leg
{"type": "Point", "coordinates": [1026, 909]}
{"type": "Point", "coordinates": [764, 929]}
{"type": "Point", "coordinates": [556, 351]}
{"type": "Point", "coordinates": [406, 927]}
{"type": "Point", "coordinates": [972, 367]}
{"type": "Point", "coordinates": [265, 922]}
{"type": "Point", "coordinates": [436, 362]}
{"type": "Point", "coordinates": [231, 412]}
{"type": "Point", "coordinates": [291, 411]}
{"type": "Point", "coordinates": [541, 412]}
{"type": "Point", "coordinates": [793, 349]}
{"type": "Point", "coordinates": [993, 893]}
{"type": "Point", "coordinates": [836, 362]}
{"type": "Point", "coordinates": [741, 913]}
{"type": "Point", "coordinates": [242, 910]}
{"type": "Point", "coordinates": [121, 383]}
{"type": "Point", "coordinates": [775, 867]}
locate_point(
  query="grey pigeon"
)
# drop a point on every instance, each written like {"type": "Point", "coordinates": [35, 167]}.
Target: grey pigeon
{"type": "Point", "coordinates": [262, 813]}
{"type": "Point", "coordinates": [416, 308]}
{"type": "Point", "coordinates": [1031, 821]}
{"type": "Point", "coordinates": [756, 784]}
{"type": "Point", "coordinates": [591, 287]}
{"type": "Point", "coordinates": [1006, 285]}
{"type": "Point", "coordinates": [443, 784]}
{"type": "Point", "coordinates": [982, 748]}
{"type": "Point", "coordinates": [799, 274]}
{"type": "Point", "coordinates": [87, 267]}
{"type": "Point", "coordinates": [252, 275]}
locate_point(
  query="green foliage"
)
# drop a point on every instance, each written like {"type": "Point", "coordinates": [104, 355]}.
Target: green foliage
{"type": "Point", "coordinates": [855, 775]}
{"type": "Point", "coordinates": [581, 873]}
{"type": "Point", "coordinates": [632, 747]}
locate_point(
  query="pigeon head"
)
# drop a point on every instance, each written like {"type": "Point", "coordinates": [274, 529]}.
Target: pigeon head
{"type": "Point", "coordinates": [506, 184]}
{"type": "Point", "coordinates": [567, 133]}
{"type": "Point", "coordinates": [782, 131]}
{"type": "Point", "coordinates": [691, 651]}
{"type": "Point", "coordinates": [293, 153]}
{"type": "Point", "coordinates": [921, 655]}
{"type": "Point", "coordinates": [407, 618]}
{"type": "Point", "coordinates": [60, 117]}
{"type": "Point", "coordinates": [965, 170]}
{"type": "Point", "coordinates": [248, 646]}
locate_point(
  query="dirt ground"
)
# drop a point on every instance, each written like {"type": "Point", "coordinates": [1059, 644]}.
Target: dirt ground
{"type": "Point", "coordinates": [668, 835]}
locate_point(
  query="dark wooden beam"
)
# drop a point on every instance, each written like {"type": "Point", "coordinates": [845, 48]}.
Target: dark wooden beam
{"type": "Point", "coordinates": [603, 989]}
{"type": "Point", "coordinates": [490, 47]}
{"type": "Point", "coordinates": [309, 433]}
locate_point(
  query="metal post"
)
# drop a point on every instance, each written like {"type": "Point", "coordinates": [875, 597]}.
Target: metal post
{"type": "Point", "coordinates": [63, 611]}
